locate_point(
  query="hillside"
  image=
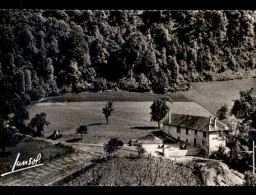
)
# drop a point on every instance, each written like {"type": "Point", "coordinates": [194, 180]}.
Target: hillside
{"type": "Point", "coordinates": [156, 172]}
{"type": "Point", "coordinates": [51, 52]}
{"type": "Point", "coordinates": [212, 95]}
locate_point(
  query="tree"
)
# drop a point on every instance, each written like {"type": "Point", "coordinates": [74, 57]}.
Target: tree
{"type": "Point", "coordinates": [159, 109]}
{"type": "Point", "coordinates": [108, 109]}
{"type": "Point", "coordinates": [82, 130]}
{"type": "Point", "coordinates": [245, 107]}
{"type": "Point", "coordinates": [77, 46]}
{"type": "Point", "coordinates": [20, 115]}
{"type": "Point", "coordinates": [5, 137]}
{"type": "Point", "coordinates": [143, 83]}
{"type": "Point", "coordinates": [38, 122]}
{"type": "Point", "coordinates": [159, 82]}
{"type": "Point", "coordinates": [113, 145]}
{"type": "Point", "coordinates": [222, 112]}
{"type": "Point", "coordinates": [133, 50]}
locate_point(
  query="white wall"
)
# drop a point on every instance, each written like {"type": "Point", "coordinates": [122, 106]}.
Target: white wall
{"type": "Point", "coordinates": [172, 131]}
{"type": "Point", "coordinates": [215, 141]}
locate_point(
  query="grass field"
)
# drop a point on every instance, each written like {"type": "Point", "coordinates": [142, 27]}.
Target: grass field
{"type": "Point", "coordinates": [122, 96]}
{"type": "Point", "coordinates": [30, 148]}
{"type": "Point", "coordinates": [212, 95]}
{"type": "Point", "coordinates": [129, 120]}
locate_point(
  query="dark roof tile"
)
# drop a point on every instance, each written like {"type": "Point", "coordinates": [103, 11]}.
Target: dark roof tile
{"type": "Point", "coordinates": [192, 122]}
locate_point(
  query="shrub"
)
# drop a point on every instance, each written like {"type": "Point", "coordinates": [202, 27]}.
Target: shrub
{"type": "Point", "coordinates": [249, 179]}
{"type": "Point", "coordinates": [141, 150]}
{"type": "Point", "coordinates": [38, 122]}
{"type": "Point", "coordinates": [219, 154]}
{"type": "Point", "coordinates": [113, 145]}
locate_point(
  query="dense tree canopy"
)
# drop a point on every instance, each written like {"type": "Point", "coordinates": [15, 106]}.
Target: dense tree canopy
{"type": "Point", "coordinates": [48, 52]}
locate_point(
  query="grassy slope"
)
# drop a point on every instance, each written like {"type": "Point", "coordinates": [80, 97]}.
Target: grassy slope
{"type": "Point", "coordinates": [212, 95]}
{"type": "Point", "coordinates": [30, 148]}
{"type": "Point", "coordinates": [137, 172]}
{"type": "Point", "coordinates": [115, 96]}
{"type": "Point", "coordinates": [123, 171]}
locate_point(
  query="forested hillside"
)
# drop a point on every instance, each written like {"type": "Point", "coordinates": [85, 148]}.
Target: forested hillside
{"type": "Point", "coordinates": [45, 53]}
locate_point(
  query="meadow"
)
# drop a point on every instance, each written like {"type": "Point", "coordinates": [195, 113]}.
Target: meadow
{"type": "Point", "coordinates": [212, 95]}
{"type": "Point", "coordinates": [129, 120]}
{"type": "Point", "coordinates": [123, 96]}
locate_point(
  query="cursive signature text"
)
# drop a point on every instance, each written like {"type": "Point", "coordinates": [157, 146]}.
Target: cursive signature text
{"type": "Point", "coordinates": [32, 162]}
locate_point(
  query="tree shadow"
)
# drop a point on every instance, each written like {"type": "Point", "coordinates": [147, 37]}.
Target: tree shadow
{"type": "Point", "coordinates": [164, 137]}
{"type": "Point", "coordinates": [73, 140]}
{"type": "Point", "coordinates": [52, 137]}
{"type": "Point", "coordinates": [144, 128]}
{"type": "Point", "coordinates": [160, 153]}
{"type": "Point", "coordinates": [96, 124]}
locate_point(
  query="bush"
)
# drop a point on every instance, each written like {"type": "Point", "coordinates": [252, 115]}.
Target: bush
{"type": "Point", "coordinates": [113, 145]}
{"type": "Point", "coordinates": [219, 154]}
{"type": "Point", "coordinates": [249, 179]}
{"type": "Point", "coordinates": [128, 84]}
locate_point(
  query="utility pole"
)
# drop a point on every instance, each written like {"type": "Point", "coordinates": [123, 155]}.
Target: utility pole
{"type": "Point", "coordinates": [20, 4]}
{"type": "Point", "coordinates": [253, 158]}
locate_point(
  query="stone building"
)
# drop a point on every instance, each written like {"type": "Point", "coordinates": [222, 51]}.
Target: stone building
{"type": "Point", "coordinates": [198, 131]}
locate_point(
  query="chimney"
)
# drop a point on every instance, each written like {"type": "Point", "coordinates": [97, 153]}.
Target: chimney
{"type": "Point", "coordinates": [215, 123]}
{"type": "Point", "coordinates": [169, 116]}
{"type": "Point", "coordinates": [210, 120]}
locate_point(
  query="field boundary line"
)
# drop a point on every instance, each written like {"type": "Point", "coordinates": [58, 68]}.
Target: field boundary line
{"type": "Point", "coordinates": [70, 176]}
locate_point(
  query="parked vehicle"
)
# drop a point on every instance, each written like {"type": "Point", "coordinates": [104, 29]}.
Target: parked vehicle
{"type": "Point", "coordinates": [134, 142]}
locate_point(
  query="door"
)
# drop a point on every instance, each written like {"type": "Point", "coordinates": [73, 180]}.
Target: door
{"type": "Point", "coordinates": [194, 142]}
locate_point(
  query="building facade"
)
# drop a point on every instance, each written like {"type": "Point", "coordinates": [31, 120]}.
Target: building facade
{"type": "Point", "coordinates": [197, 131]}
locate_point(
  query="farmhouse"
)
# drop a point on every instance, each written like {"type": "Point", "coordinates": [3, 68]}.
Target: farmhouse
{"type": "Point", "coordinates": [198, 131]}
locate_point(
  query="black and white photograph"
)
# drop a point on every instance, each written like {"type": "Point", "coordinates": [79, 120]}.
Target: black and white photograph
{"type": "Point", "coordinates": [127, 97]}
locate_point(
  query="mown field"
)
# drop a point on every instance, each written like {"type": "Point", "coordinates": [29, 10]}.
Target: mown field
{"type": "Point", "coordinates": [114, 96]}
{"type": "Point", "coordinates": [212, 95]}
{"type": "Point", "coordinates": [129, 120]}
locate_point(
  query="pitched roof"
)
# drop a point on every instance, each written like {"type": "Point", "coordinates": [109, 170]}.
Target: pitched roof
{"type": "Point", "coordinates": [193, 122]}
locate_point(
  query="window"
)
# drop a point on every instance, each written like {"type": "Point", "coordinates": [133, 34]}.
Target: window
{"type": "Point", "coordinates": [195, 132]}
{"type": "Point", "coordinates": [204, 134]}
{"type": "Point", "coordinates": [203, 143]}
{"type": "Point", "coordinates": [186, 140]}
{"type": "Point", "coordinates": [178, 138]}
{"type": "Point", "coordinates": [187, 131]}
{"type": "Point", "coordinates": [178, 129]}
